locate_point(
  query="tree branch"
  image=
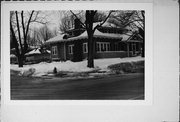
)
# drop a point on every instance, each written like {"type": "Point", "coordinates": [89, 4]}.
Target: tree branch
{"type": "Point", "coordinates": [14, 39]}
{"type": "Point", "coordinates": [29, 23]}
{"type": "Point", "coordinates": [27, 29]}
{"type": "Point", "coordinates": [19, 33]}
{"type": "Point", "coordinates": [22, 18]}
{"type": "Point", "coordinates": [39, 22]}
{"type": "Point", "coordinates": [103, 21]}
{"type": "Point", "coordinates": [132, 22]}
{"type": "Point", "coordinates": [78, 18]}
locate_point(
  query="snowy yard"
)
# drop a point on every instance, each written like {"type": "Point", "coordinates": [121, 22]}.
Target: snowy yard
{"type": "Point", "coordinates": [44, 68]}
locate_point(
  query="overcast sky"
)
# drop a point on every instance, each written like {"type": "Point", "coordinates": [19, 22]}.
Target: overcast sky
{"type": "Point", "coordinates": [52, 17]}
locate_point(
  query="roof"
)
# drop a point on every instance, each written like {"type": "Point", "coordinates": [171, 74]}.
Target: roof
{"type": "Point", "coordinates": [48, 51]}
{"type": "Point", "coordinates": [35, 51]}
{"type": "Point", "coordinates": [97, 34]}
{"type": "Point", "coordinates": [56, 38]}
{"type": "Point", "coordinates": [84, 35]}
{"type": "Point", "coordinates": [12, 56]}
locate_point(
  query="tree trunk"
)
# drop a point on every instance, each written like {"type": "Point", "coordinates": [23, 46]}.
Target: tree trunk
{"type": "Point", "coordinates": [20, 61]}
{"type": "Point", "coordinates": [90, 32]}
{"type": "Point", "coordinates": [90, 50]}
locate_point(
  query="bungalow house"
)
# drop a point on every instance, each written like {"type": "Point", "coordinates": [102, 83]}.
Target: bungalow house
{"type": "Point", "coordinates": [110, 42]}
{"type": "Point", "coordinates": [13, 59]}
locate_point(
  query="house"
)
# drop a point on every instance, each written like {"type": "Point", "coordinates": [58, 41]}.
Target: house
{"type": "Point", "coordinates": [110, 42]}
{"type": "Point", "coordinates": [37, 55]}
{"type": "Point", "coordinates": [13, 59]}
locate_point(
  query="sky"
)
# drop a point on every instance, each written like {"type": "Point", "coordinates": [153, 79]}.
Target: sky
{"type": "Point", "coordinates": [52, 17]}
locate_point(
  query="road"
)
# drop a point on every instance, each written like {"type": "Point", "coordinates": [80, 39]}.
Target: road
{"type": "Point", "coordinates": [113, 87]}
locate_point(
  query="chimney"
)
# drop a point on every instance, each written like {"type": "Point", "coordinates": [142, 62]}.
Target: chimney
{"type": "Point", "coordinates": [77, 26]}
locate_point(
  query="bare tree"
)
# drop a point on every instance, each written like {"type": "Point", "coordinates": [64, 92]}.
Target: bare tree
{"type": "Point", "coordinates": [67, 19]}
{"type": "Point", "coordinates": [34, 39]}
{"type": "Point", "coordinates": [38, 36]}
{"type": "Point", "coordinates": [19, 28]}
{"type": "Point", "coordinates": [134, 19]}
{"type": "Point", "coordinates": [88, 26]}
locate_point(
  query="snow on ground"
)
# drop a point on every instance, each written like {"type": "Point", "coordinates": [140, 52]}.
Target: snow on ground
{"type": "Point", "coordinates": [44, 68]}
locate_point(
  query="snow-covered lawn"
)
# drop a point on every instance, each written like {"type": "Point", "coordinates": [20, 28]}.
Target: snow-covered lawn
{"type": "Point", "coordinates": [44, 68]}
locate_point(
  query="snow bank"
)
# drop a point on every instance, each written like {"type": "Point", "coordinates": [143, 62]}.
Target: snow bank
{"type": "Point", "coordinates": [104, 63]}
{"type": "Point", "coordinates": [44, 68]}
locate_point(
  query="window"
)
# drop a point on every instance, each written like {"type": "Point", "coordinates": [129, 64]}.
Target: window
{"type": "Point", "coordinates": [70, 49]}
{"type": "Point", "coordinates": [85, 48]}
{"type": "Point", "coordinates": [54, 50]}
{"type": "Point", "coordinates": [103, 46]}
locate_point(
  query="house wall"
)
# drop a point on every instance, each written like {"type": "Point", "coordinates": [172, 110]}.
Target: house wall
{"type": "Point", "coordinates": [68, 55]}
{"type": "Point", "coordinates": [61, 55]}
{"type": "Point", "coordinates": [111, 54]}
{"type": "Point", "coordinates": [114, 52]}
{"type": "Point", "coordinates": [61, 50]}
{"type": "Point", "coordinates": [54, 57]}
{"type": "Point", "coordinates": [14, 60]}
{"type": "Point", "coordinates": [38, 58]}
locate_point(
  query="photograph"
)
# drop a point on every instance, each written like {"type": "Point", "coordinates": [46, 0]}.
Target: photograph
{"type": "Point", "coordinates": [90, 61]}
{"type": "Point", "coordinates": [77, 54]}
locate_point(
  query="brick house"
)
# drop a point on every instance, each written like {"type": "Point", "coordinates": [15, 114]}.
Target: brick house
{"type": "Point", "coordinates": [110, 42]}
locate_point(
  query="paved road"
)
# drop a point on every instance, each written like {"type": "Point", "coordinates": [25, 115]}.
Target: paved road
{"type": "Point", "coordinates": [114, 87]}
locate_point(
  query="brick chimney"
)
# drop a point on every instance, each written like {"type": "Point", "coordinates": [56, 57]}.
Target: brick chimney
{"type": "Point", "coordinates": [77, 26]}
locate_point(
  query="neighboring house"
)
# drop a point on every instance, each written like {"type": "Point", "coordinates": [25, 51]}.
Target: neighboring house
{"type": "Point", "coordinates": [38, 55]}
{"type": "Point", "coordinates": [110, 42]}
{"type": "Point", "coordinates": [13, 59]}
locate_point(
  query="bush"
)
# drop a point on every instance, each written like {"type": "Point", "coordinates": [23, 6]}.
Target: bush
{"type": "Point", "coordinates": [127, 67]}
{"type": "Point", "coordinates": [29, 72]}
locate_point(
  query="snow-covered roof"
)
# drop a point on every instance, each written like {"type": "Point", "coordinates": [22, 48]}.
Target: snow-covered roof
{"type": "Point", "coordinates": [106, 24]}
{"type": "Point", "coordinates": [12, 56]}
{"type": "Point", "coordinates": [98, 34]}
{"type": "Point", "coordinates": [48, 51]}
{"type": "Point", "coordinates": [125, 37]}
{"type": "Point", "coordinates": [35, 51]}
{"type": "Point", "coordinates": [55, 39]}
{"type": "Point", "coordinates": [84, 35]}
